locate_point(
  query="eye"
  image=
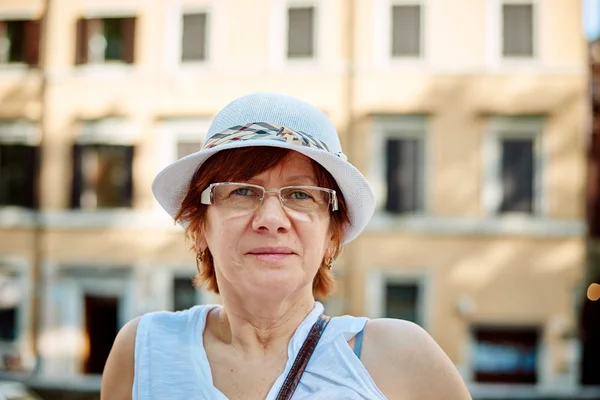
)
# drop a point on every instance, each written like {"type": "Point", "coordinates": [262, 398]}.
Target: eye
{"type": "Point", "coordinates": [244, 191]}
{"type": "Point", "coordinates": [300, 195]}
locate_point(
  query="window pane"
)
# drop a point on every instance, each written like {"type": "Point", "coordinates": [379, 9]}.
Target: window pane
{"type": "Point", "coordinates": [404, 161]}
{"type": "Point", "coordinates": [300, 32]}
{"type": "Point", "coordinates": [185, 148]}
{"type": "Point", "coordinates": [8, 323]}
{"type": "Point", "coordinates": [113, 34]}
{"type": "Point", "coordinates": [15, 33]}
{"type": "Point", "coordinates": [517, 30]}
{"type": "Point", "coordinates": [401, 301]}
{"type": "Point", "coordinates": [184, 294]}
{"type": "Point", "coordinates": [506, 355]}
{"type": "Point", "coordinates": [105, 176]}
{"type": "Point", "coordinates": [406, 30]}
{"type": "Point", "coordinates": [17, 175]}
{"type": "Point", "coordinates": [517, 175]}
{"type": "Point", "coordinates": [193, 45]}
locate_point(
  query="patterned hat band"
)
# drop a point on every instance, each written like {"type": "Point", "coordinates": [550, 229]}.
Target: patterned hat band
{"type": "Point", "coordinates": [265, 131]}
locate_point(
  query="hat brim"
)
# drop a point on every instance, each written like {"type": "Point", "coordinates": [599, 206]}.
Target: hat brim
{"type": "Point", "coordinates": [172, 183]}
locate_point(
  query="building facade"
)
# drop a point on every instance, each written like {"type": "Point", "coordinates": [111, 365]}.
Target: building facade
{"type": "Point", "coordinates": [590, 310]}
{"type": "Point", "coordinates": [468, 117]}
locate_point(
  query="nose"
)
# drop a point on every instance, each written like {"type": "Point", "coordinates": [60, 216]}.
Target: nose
{"type": "Point", "coordinates": [270, 216]}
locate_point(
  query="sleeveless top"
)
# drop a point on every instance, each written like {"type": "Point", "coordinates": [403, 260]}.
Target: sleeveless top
{"type": "Point", "coordinates": [171, 363]}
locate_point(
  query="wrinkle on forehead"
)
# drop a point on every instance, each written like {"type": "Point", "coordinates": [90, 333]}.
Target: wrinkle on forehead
{"type": "Point", "coordinates": [303, 172]}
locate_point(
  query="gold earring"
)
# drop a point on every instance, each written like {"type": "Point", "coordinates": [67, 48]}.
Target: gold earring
{"type": "Point", "coordinates": [199, 258]}
{"type": "Point", "coordinates": [329, 263]}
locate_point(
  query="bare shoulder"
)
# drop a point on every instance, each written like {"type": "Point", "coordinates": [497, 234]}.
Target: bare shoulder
{"type": "Point", "coordinates": [117, 378]}
{"type": "Point", "coordinates": [405, 362]}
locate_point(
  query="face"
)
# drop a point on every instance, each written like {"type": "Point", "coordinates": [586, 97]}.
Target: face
{"type": "Point", "coordinates": [270, 250]}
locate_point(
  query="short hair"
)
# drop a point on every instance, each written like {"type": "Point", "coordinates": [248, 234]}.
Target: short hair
{"type": "Point", "coordinates": [233, 166]}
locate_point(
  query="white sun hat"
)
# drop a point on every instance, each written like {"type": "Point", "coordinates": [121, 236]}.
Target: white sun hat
{"type": "Point", "coordinates": [273, 120]}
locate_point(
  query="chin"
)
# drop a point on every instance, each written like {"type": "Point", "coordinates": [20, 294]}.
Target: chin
{"type": "Point", "coordinates": [276, 279]}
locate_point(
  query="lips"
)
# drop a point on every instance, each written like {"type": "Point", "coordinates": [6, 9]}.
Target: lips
{"type": "Point", "coordinates": [271, 250]}
{"type": "Point", "coordinates": [272, 255]}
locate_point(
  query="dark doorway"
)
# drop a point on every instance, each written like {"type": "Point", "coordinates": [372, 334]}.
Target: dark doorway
{"type": "Point", "coordinates": [101, 328]}
{"type": "Point", "coordinates": [506, 354]}
{"type": "Point", "coordinates": [590, 334]}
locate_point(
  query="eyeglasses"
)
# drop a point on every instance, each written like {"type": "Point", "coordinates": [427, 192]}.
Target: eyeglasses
{"type": "Point", "coordinates": [248, 197]}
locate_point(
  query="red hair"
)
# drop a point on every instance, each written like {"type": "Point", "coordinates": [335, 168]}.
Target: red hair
{"type": "Point", "coordinates": [232, 166]}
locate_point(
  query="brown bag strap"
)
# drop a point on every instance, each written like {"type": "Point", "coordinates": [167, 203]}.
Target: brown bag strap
{"type": "Point", "coordinates": [306, 351]}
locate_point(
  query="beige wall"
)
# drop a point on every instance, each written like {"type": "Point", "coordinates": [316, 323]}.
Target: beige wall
{"type": "Point", "coordinates": [511, 277]}
{"type": "Point", "coordinates": [509, 280]}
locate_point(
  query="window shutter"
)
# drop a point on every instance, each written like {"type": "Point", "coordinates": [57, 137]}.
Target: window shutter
{"type": "Point", "coordinates": [517, 30]}
{"type": "Point", "coordinates": [301, 32]}
{"type": "Point", "coordinates": [410, 174]}
{"type": "Point", "coordinates": [4, 181]}
{"type": "Point", "coordinates": [32, 155]}
{"type": "Point", "coordinates": [129, 188]}
{"type": "Point", "coordinates": [35, 175]}
{"type": "Point", "coordinates": [32, 42]}
{"type": "Point", "coordinates": [76, 185]}
{"type": "Point", "coordinates": [128, 39]}
{"type": "Point", "coordinates": [406, 30]}
{"type": "Point", "coordinates": [193, 42]}
{"type": "Point", "coordinates": [81, 50]}
{"type": "Point", "coordinates": [3, 55]}
{"type": "Point", "coordinates": [393, 168]}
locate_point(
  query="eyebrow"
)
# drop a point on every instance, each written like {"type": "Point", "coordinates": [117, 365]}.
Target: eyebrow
{"type": "Point", "coordinates": [295, 180]}
{"type": "Point", "coordinates": [302, 179]}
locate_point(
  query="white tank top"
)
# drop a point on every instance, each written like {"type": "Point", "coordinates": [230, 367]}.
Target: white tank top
{"type": "Point", "coordinates": [171, 363]}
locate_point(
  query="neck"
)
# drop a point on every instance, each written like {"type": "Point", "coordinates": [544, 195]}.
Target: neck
{"type": "Point", "coordinates": [261, 327]}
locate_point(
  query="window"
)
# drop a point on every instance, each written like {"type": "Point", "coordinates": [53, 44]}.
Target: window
{"type": "Point", "coordinates": [184, 294]}
{"type": "Point", "coordinates": [187, 147]}
{"type": "Point", "coordinates": [402, 301]}
{"type": "Point", "coordinates": [517, 175]}
{"type": "Point", "coordinates": [194, 37]}
{"type": "Point", "coordinates": [101, 40]}
{"type": "Point", "coordinates": [11, 300]}
{"type": "Point", "coordinates": [19, 152]}
{"type": "Point", "coordinates": [404, 161]}
{"type": "Point", "coordinates": [19, 41]}
{"type": "Point", "coordinates": [102, 176]}
{"type": "Point", "coordinates": [301, 35]}
{"type": "Point", "coordinates": [505, 355]}
{"type": "Point", "coordinates": [517, 30]}
{"type": "Point", "coordinates": [179, 137]}
{"type": "Point", "coordinates": [398, 293]}
{"type": "Point", "coordinates": [406, 30]}
{"type": "Point", "coordinates": [514, 161]}
{"type": "Point", "coordinates": [398, 168]}
{"type": "Point", "coordinates": [103, 164]}
{"type": "Point", "coordinates": [8, 324]}
{"type": "Point", "coordinates": [18, 172]}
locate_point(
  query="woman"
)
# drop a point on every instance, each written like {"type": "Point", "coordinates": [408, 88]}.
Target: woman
{"type": "Point", "coordinates": [267, 203]}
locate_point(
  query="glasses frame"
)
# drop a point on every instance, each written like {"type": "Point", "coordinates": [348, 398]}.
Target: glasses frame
{"type": "Point", "coordinates": [207, 195]}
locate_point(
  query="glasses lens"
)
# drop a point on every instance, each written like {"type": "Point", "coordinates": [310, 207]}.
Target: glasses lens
{"type": "Point", "coordinates": [237, 196]}
{"type": "Point", "coordinates": [305, 199]}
